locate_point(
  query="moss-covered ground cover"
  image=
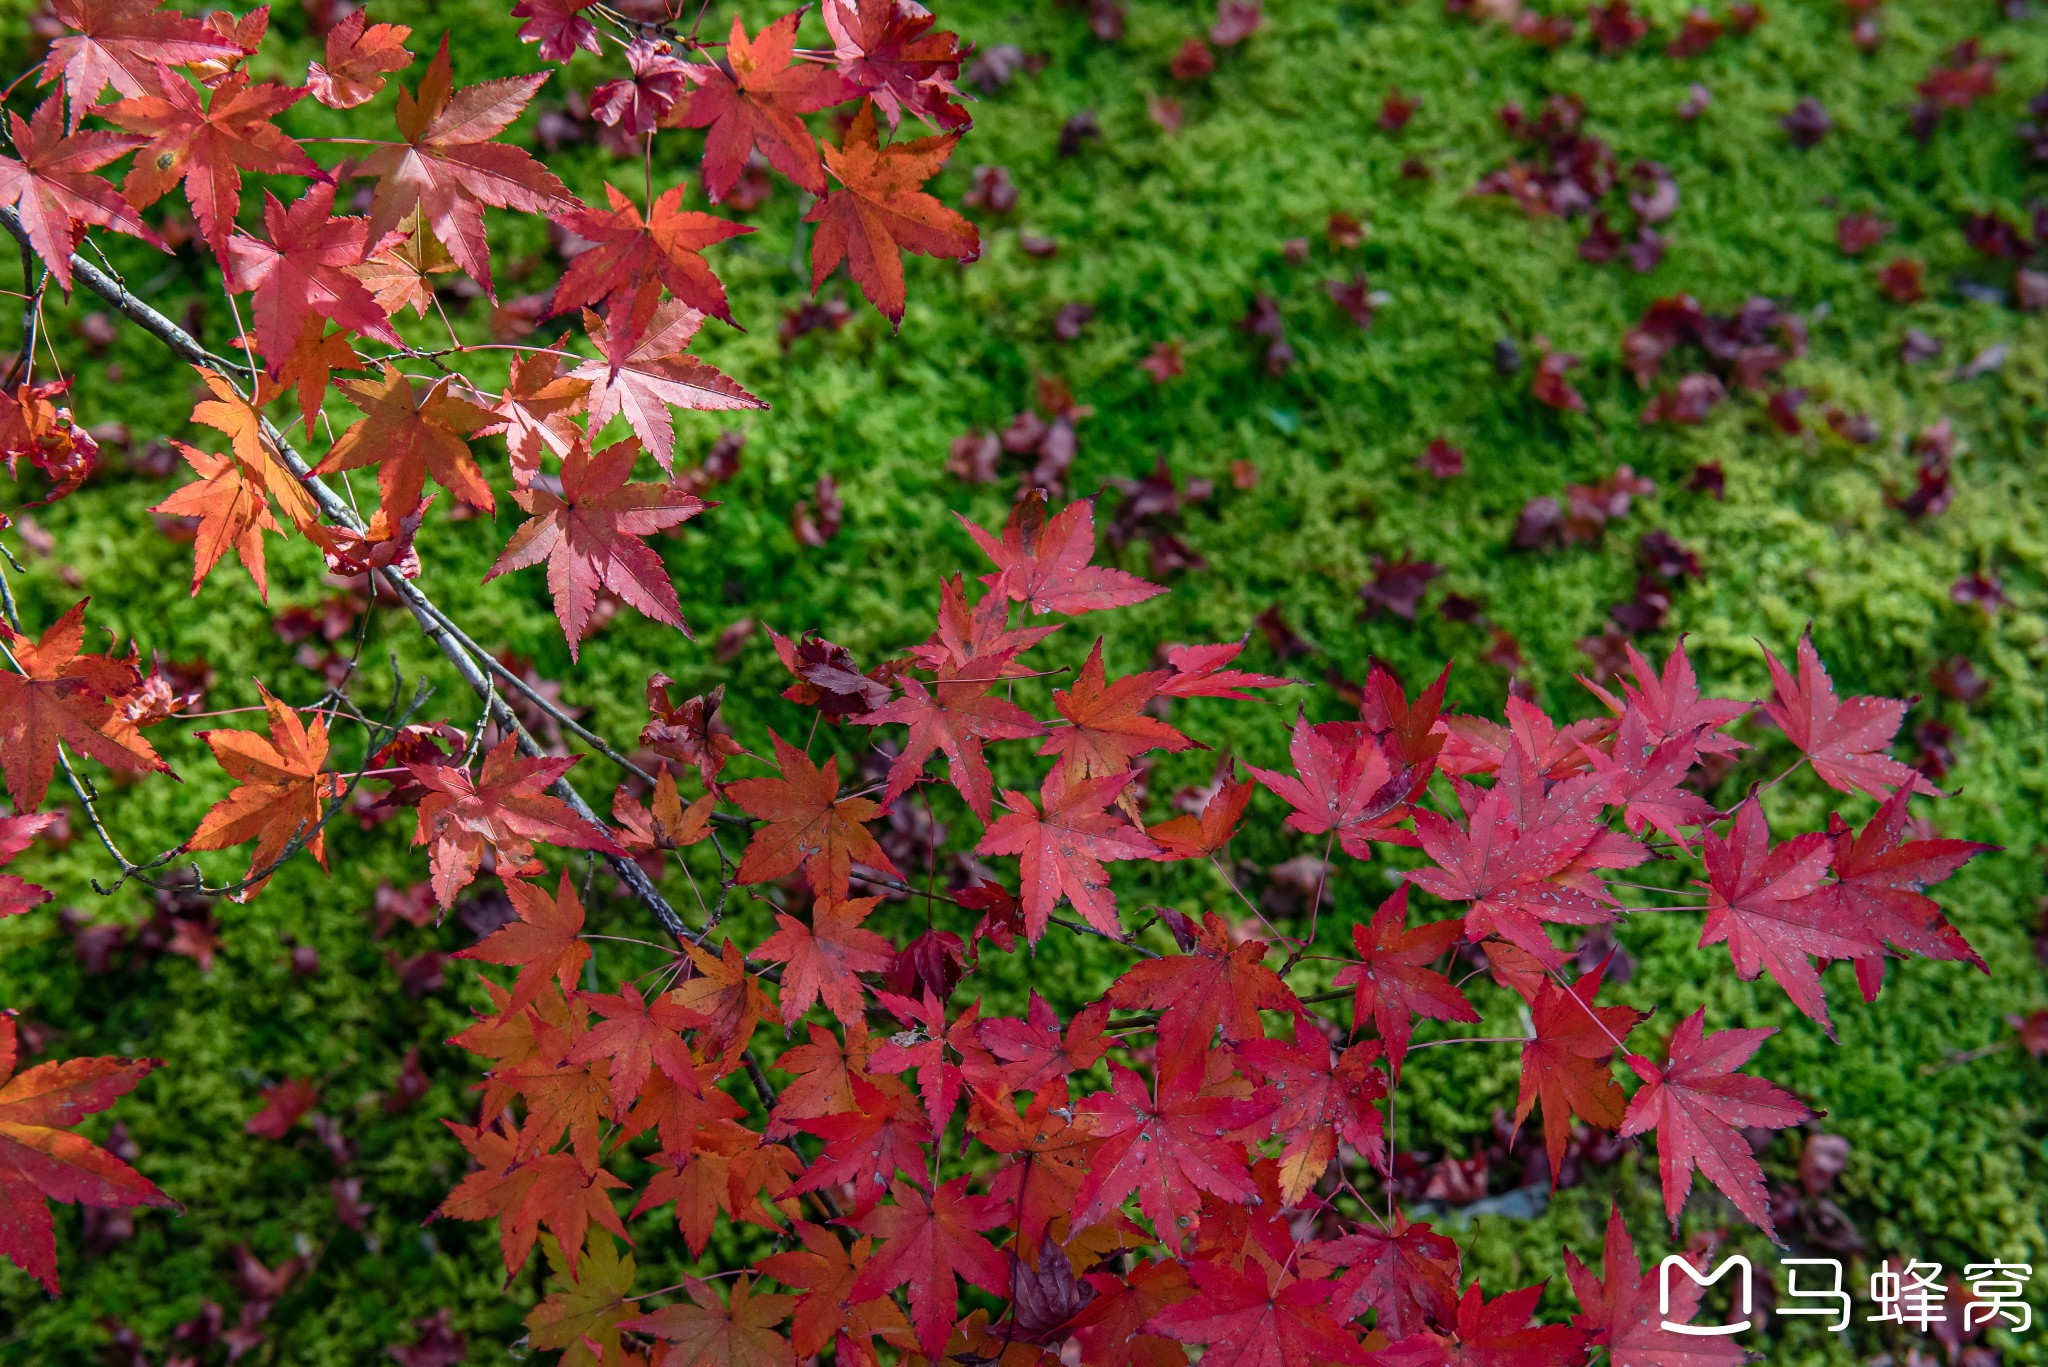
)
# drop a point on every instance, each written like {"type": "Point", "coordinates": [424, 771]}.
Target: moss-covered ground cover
{"type": "Point", "coordinates": [1171, 236]}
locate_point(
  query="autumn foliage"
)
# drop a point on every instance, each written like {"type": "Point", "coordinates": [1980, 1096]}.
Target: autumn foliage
{"type": "Point", "coordinates": [1191, 1154]}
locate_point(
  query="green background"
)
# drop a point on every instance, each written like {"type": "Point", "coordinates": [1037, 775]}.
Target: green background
{"type": "Point", "coordinates": [1165, 236]}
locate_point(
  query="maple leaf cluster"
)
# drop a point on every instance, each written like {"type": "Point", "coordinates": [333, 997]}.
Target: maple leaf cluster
{"type": "Point", "coordinates": [1182, 1159]}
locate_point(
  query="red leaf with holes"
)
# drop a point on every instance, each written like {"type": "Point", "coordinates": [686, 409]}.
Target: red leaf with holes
{"type": "Point", "coordinates": [1699, 1106]}
{"type": "Point", "coordinates": [808, 825]}
{"type": "Point", "coordinates": [41, 1160]}
{"type": "Point", "coordinates": [1843, 738]}
{"type": "Point", "coordinates": [1061, 850]}
{"type": "Point", "coordinates": [821, 959]}
{"type": "Point", "coordinates": [591, 536]}
{"type": "Point", "coordinates": [1392, 983]}
{"type": "Point", "coordinates": [1567, 1064]}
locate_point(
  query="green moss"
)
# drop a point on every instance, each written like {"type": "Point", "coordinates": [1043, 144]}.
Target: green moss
{"type": "Point", "coordinates": [1169, 237]}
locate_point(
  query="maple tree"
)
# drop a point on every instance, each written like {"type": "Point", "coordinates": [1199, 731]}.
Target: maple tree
{"type": "Point", "coordinates": [1180, 1156]}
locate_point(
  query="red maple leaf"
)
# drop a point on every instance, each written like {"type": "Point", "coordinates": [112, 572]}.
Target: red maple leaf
{"type": "Point", "coordinates": [761, 104]}
{"type": "Point", "coordinates": [867, 1146]}
{"type": "Point", "coordinates": [537, 405]}
{"type": "Point", "coordinates": [590, 538]}
{"type": "Point", "coordinates": [208, 146]}
{"type": "Point", "coordinates": [1171, 1150]}
{"type": "Point", "coordinates": [925, 1241]}
{"type": "Point", "coordinates": [284, 1105]}
{"type": "Point", "coordinates": [300, 273]}
{"type": "Point", "coordinates": [825, 1270]}
{"type": "Point", "coordinates": [1699, 1106]}
{"type": "Point", "coordinates": [1494, 1333]}
{"type": "Point", "coordinates": [1111, 1327]}
{"type": "Point", "coordinates": [1409, 731]}
{"type": "Point", "coordinates": [545, 942]}
{"type": "Point", "coordinates": [558, 26]}
{"type": "Point", "coordinates": [1197, 837]}
{"type": "Point", "coordinates": [1347, 785]}
{"type": "Point", "coordinates": [966, 634]}
{"type": "Point", "coordinates": [808, 825]}
{"type": "Point", "coordinates": [882, 211]}
{"type": "Point", "coordinates": [120, 43]}
{"type": "Point", "coordinates": [886, 48]}
{"type": "Point", "coordinates": [1319, 1104]}
{"type": "Point", "coordinates": [1406, 1275]}
{"type": "Point", "coordinates": [1217, 983]}
{"type": "Point", "coordinates": [409, 433]}
{"type": "Point", "coordinates": [503, 807]}
{"type": "Point", "coordinates": [1520, 860]}
{"type": "Point", "coordinates": [954, 717]}
{"type": "Point", "coordinates": [1624, 1310]}
{"type": "Point", "coordinates": [17, 833]}
{"type": "Point", "coordinates": [1843, 738]}
{"type": "Point", "coordinates": [1204, 672]}
{"type": "Point", "coordinates": [1645, 775]}
{"type": "Point", "coordinates": [1878, 895]}
{"type": "Point", "coordinates": [1044, 561]}
{"type": "Point", "coordinates": [637, 1035]}
{"type": "Point", "coordinates": [449, 170]}
{"type": "Point", "coordinates": [1767, 905]}
{"type": "Point", "coordinates": [525, 1193]}
{"type": "Point", "coordinates": [706, 1329]}
{"type": "Point", "coordinates": [359, 55]}
{"type": "Point", "coordinates": [1566, 1064]}
{"type": "Point", "coordinates": [1474, 745]}
{"type": "Point", "coordinates": [642, 370]}
{"type": "Point", "coordinates": [54, 191]}
{"type": "Point", "coordinates": [64, 696]}
{"type": "Point", "coordinates": [1670, 703]}
{"type": "Point", "coordinates": [1038, 1053]}
{"type": "Point", "coordinates": [1258, 1318]}
{"type": "Point", "coordinates": [1061, 850]}
{"type": "Point", "coordinates": [1107, 726]}
{"type": "Point", "coordinates": [821, 959]}
{"type": "Point", "coordinates": [1392, 983]}
{"type": "Point", "coordinates": [631, 255]}
{"type": "Point", "coordinates": [41, 1160]}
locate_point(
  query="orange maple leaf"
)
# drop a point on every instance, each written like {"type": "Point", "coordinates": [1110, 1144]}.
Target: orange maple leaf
{"type": "Point", "coordinates": [280, 792]}
{"type": "Point", "coordinates": [883, 212]}
{"type": "Point", "coordinates": [809, 824]}
{"type": "Point", "coordinates": [232, 513]}
{"type": "Point", "coordinates": [409, 433]}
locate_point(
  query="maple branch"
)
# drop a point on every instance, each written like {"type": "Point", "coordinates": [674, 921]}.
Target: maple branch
{"type": "Point", "coordinates": [430, 617]}
{"type": "Point", "coordinates": [31, 307]}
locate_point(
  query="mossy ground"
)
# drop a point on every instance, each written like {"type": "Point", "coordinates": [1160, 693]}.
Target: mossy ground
{"type": "Point", "coordinates": [1170, 237]}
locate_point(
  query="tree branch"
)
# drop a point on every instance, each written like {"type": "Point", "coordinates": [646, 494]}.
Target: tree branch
{"type": "Point", "coordinates": [431, 619]}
